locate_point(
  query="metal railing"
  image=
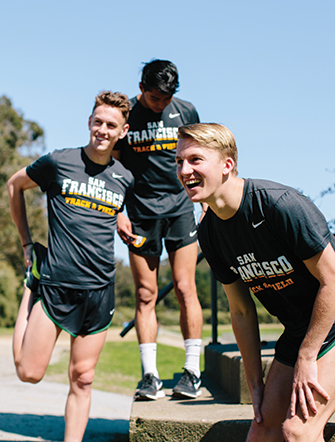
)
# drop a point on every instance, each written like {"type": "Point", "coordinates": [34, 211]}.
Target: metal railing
{"type": "Point", "coordinates": [167, 289]}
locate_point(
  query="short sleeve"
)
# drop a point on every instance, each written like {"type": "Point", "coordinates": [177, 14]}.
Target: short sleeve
{"type": "Point", "coordinates": [42, 171]}
{"type": "Point", "coordinates": [299, 224]}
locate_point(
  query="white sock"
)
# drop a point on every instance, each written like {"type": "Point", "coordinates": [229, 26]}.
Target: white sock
{"type": "Point", "coordinates": [148, 354]}
{"type": "Point", "coordinates": [193, 349]}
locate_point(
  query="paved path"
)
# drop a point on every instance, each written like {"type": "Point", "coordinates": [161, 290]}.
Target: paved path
{"type": "Point", "coordinates": [35, 412]}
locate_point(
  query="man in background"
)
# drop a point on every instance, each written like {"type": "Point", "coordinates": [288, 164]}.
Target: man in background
{"type": "Point", "coordinates": [159, 209]}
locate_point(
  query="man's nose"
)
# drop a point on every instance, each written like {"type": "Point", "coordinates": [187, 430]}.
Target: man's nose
{"type": "Point", "coordinates": [103, 128]}
{"type": "Point", "coordinates": [186, 169]}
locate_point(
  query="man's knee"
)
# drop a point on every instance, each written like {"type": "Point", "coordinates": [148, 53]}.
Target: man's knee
{"type": "Point", "coordinates": [297, 430]}
{"type": "Point", "coordinates": [264, 433]}
{"type": "Point", "coordinates": [81, 378]}
{"type": "Point", "coordinates": [146, 296]}
{"type": "Point", "coordinates": [29, 374]}
{"type": "Point", "coordinates": [293, 429]}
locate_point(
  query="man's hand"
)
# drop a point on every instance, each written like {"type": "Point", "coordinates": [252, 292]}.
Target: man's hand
{"type": "Point", "coordinates": [257, 399]}
{"type": "Point", "coordinates": [305, 380]}
{"type": "Point", "coordinates": [124, 229]}
{"type": "Point", "coordinates": [28, 251]}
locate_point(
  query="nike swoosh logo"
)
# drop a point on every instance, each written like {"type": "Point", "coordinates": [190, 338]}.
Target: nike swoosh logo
{"type": "Point", "coordinates": [114, 175]}
{"type": "Point", "coordinates": [257, 224]}
{"type": "Point", "coordinates": [112, 312]}
{"type": "Point", "coordinates": [173, 115]}
{"type": "Point", "coordinates": [192, 233]}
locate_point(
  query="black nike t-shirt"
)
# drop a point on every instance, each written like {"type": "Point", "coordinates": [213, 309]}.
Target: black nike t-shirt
{"type": "Point", "coordinates": [265, 243]}
{"type": "Point", "coordinates": [148, 151]}
{"type": "Point", "coordinates": [84, 199]}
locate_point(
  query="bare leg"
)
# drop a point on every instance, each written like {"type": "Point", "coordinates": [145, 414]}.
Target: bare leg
{"type": "Point", "coordinates": [183, 263]}
{"type": "Point", "coordinates": [275, 404]}
{"type": "Point", "coordinates": [34, 339]}
{"type": "Point", "coordinates": [22, 320]}
{"type": "Point", "coordinates": [145, 271]}
{"type": "Point", "coordinates": [85, 352]}
{"type": "Point", "coordinates": [298, 429]}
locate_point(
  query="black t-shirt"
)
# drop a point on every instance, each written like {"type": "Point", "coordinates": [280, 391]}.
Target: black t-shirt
{"type": "Point", "coordinates": [149, 151]}
{"type": "Point", "coordinates": [84, 199]}
{"type": "Point", "coordinates": [265, 243]}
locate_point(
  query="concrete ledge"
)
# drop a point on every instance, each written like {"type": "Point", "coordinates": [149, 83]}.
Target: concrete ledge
{"type": "Point", "coordinates": [223, 363]}
{"type": "Point", "coordinates": [210, 417]}
{"type": "Point", "coordinates": [215, 415]}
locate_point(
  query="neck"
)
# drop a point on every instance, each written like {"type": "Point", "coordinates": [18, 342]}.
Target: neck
{"type": "Point", "coordinates": [228, 200]}
{"type": "Point", "coordinates": [141, 99]}
{"type": "Point", "coordinates": [97, 157]}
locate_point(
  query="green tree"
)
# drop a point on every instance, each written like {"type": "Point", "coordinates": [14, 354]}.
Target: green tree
{"type": "Point", "coordinates": [21, 141]}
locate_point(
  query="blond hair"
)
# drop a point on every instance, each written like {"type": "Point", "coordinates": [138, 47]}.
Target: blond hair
{"type": "Point", "coordinates": [214, 136]}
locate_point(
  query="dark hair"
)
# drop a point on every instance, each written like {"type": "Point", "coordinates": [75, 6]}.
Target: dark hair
{"type": "Point", "coordinates": [161, 75]}
{"type": "Point", "coordinates": [113, 99]}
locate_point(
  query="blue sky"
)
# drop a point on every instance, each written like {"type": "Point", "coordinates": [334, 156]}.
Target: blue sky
{"type": "Point", "coordinates": [265, 69]}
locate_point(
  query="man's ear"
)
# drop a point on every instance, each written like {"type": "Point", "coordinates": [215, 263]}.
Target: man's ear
{"type": "Point", "coordinates": [124, 131]}
{"type": "Point", "coordinates": [228, 166]}
{"type": "Point", "coordinates": [89, 122]}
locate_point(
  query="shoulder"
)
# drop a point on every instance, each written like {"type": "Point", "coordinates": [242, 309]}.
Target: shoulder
{"type": "Point", "coordinates": [119, 170]}
{"type": "Point", "coordinates": [133, 102]}
{"type": "Point", "coordinates": [182, 105]}
{"type": "Point", "coordinates": [269, 191]}
{"type": "Point", "coordinates": [135, 106]}
{"type": "Point", "coordinates": [68, 153]}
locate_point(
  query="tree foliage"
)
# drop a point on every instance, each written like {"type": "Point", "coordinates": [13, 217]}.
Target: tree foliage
{"type": "Point", "coordinates": [21, 141]}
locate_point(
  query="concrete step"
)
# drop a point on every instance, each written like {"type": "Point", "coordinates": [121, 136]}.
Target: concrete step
{"type": "Point", "coordinates": [210, 417]}
{"type": "Point", "coordinates": [215, 416]}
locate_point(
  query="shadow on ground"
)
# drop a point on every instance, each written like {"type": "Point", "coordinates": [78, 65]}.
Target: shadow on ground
{"type": "Point", "coordinates": [51, 428]}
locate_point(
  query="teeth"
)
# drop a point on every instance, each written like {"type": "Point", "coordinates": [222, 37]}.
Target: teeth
{"type": "Point", "coordinates": [192, 183]}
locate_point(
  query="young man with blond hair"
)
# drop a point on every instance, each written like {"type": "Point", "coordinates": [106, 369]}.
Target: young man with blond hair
{"type": "Point", "coordinates": [267, 239]}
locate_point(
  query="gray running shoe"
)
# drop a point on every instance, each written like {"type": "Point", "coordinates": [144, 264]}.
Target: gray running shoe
{"type": "Point", "coordinates": [188, 386]}
{"type": "Point", "coordinates": [151, 388]}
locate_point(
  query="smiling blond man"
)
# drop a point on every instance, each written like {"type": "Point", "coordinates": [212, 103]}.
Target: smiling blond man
{"type": "Point", "coordinates": [267, 239]}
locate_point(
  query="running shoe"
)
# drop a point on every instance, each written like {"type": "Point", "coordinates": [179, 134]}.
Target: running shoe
{"type": "Point", "coordinates": [151, 388]}
{"type": "Point", "coordinates": [33, 273]}
{"type": "Point", "coordinates": [188, 386]}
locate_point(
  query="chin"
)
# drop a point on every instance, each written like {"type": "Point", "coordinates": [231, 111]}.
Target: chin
{"type": "Point", "coordinates": [194, 198]}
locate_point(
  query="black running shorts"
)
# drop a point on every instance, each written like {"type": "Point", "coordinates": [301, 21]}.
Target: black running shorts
{"type": "Point", "coordinates": [287, 347]}
{"type": "Point", "coordinates": [77, 311]}
{"type": "Point", "coordinates": [177, 232]}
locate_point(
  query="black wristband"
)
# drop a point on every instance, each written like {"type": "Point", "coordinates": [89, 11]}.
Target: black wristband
{"type": "Point", "coordinates": [28, 244]}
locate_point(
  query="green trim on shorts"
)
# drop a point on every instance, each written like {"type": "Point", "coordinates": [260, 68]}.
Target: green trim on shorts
{"type": "Point", "coordinates": [103, 329]}
{"type": "Point", "coordinates": [67, 331]}
{"type": "Point", "coordinates": [55, 322]}
{"type": "Point", "coordinates": [325, 351]}
{"type": "Point", "coordinates": [37, 299]}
